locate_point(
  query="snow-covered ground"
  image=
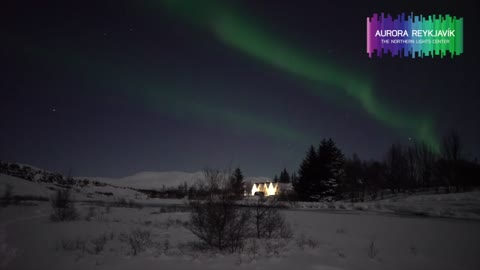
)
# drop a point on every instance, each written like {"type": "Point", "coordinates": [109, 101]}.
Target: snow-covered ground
{"type": "Point", "coordinates": [23, 187]}
{"type": "Point", "coordinates": [394, 233]}
{"type": "Point", "coordinates": [322, 240]}
{"type": "Point", "coordinates": [465, 205]}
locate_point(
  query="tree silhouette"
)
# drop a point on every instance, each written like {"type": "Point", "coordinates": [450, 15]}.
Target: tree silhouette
{"type": "Point", "coordinates": [284, 176]}
{"type": "Point", "coordinates": [237, 182]}
{"type": "Point", "coordinates": [320, 172]}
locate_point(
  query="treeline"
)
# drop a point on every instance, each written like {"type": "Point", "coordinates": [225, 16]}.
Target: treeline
{"type": "Point", "coordinates": [326, 174]}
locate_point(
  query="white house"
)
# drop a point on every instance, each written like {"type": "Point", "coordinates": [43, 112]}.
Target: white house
{"type": "Point", "coordinates": [269, 188]}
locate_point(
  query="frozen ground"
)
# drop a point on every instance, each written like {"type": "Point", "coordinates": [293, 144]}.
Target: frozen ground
{"type": "Point", "coordinates": [323, 240]}
{"type": "Point", "coordinates": [402, 232]}
{"type": "Point", "coordinates": [464, 205]}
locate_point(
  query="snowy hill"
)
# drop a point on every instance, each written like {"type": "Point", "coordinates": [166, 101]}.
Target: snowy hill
{"type": "Point", "coordinates": [152, 180]}
{"type": "Point", "coordinates": [157, 180]}
{"type": "Point", "coordinates": [43, 190]}
{"type": "Point", "coordinates": [141, 180]}
{"type": "Point", "coordinates": [24, 188]}
{"type": "Point", "coordinates": [29, 181]}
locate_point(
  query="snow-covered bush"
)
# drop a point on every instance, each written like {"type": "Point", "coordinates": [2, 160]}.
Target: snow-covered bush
{"type": "Point", "coordinates": [63, 206]}
{"type": "Point", "coordinates": [303, 242]}
{"type": "Point", "coordinates": [372, 249]}
{"type": "Point", "coordinates": [122, 202]}
{"type": "Point", "coordinates": [219, 223]}
{"type": "Point", "coordinates": [137, 239]}
{"type": "Point", "coordinates": [91, 212]}
{"type": "Point", "coordinates": [72, 245]}
{"type": "Point", "coordinates": [267, 221]}
{"type": "Point", "coordinates": [99, 243]}
{"type": "Point", "coordinates": [7, 195]}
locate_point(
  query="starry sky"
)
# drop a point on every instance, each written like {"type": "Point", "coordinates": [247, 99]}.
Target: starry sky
{"type": "Point", "coordinates": [110, 88]}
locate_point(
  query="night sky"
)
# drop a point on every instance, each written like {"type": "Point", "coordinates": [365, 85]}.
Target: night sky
{"type": "Point", "coordinates": [110, 88]}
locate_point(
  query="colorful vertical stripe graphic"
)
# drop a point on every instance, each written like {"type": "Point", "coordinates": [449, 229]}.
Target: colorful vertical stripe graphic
{"type": "Point", "coordinates": [414, 36]}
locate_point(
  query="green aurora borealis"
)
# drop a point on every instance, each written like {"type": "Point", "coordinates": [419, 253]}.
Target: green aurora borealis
{"type": "Point", "coordinates": [245, 34]}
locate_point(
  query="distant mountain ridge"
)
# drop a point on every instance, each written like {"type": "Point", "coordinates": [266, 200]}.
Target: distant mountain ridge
{"type": "Point", "coordinates": [159, 180]}
{"type": "Point", "coordinates": [143, 180]}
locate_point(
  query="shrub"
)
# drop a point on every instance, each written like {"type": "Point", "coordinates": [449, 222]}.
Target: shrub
{"type": "Point", "coordinates": [274, 247]}
{"type": "Point", "coordinates": [303, 242]}
{"type": "Point", "coordinates": [223, 225]}
{"type": "Point", "coordinates": [108, 208]}
{"type": "Point", "coordinates": [341, 253]}
{"type": "Point", "coordinates": [253, 248]}
{"type": "Point", "coordinates": [99, 243]}
{"type": "Point", "coordinates": [372, 249]}
{"type": "Point", "coordinates": [122, 202]}
{"type": "Point", "coordinates": [72, 245]}
{"type": "Point", "coordinates": [91, 213]}
{"type": "Point", "coordinates": [166, 246]}
{"type": "Point", "coordinates": [138, 240]}
{"type": "Point", "coordinates": [268, 222]}
{"type": "Point", "coordinates": [219, 223]}
{"type": "Point", "coordinates": [7, 197]}
{"type": "Point", "coordinates": [63, 206]}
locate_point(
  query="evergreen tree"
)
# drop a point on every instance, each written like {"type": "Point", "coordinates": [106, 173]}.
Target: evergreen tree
{"type": "Point", "coordinates": [293, 177]}
{"type": "Point", "coordinates": [284, 176]}
{"type": "Point", "coordinates": [306, 175]}
{"type": "Point", "coordinates": [275, 179]}
{"type": "Point", "coordinates": [352, 183]}
{"type": "Point", "coordinates": [329, 168]}
{"type": "Point", "coordinates": [237, 182]}
{"type": "Point", "coordinates": [320, 172]}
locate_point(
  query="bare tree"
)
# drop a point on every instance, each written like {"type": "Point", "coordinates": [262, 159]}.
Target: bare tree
{"type": "Point", "coordinates": [237, 183]}
{"type": "Point", "coordinates": [452, 146]}
{"type": "Point", "coordinates": [425, 162]}
{"type": "Point", "coordinates": [452, 153]}
{"type": "Point", "coordinates": [223, 225]}
{"type": "Point", "coordinates": [216, 180]}
{"type": "Point", "coordinates": [396, 167]}
{"type": "Point", "coordinates": [217, 221]}
{"type": "Point", "coordinates": [411, 165]}
{"type": "Point", "coordinates": [212, 178]}
{"type": "Point", "coordinates": [267, 220]}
